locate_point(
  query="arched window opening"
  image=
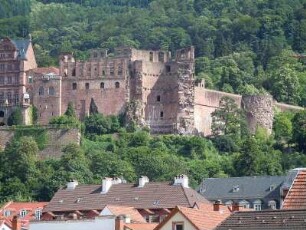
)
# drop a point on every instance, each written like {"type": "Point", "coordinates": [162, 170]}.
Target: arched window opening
{"type": "Point", "coordinates": [51, 91]}
{"type": "Point", "coordinates": [161, 57]}
{"type": "Point", "coordinates": [86, 85]}
{"type": "Point", "coordinates": [158, 98]}
{"type": "Point", "coordinates": [117, 85]}
{"type": "Point", "coordinates": [102, 85]}
{"type": "Point", "coordinates": [161, 114]}
{"type": "Point", "coordinates": [41, 91]}
{"type": "Point", "coordinates": [74, 86]}
{"type": "Point", "coordinates": [151, 56]}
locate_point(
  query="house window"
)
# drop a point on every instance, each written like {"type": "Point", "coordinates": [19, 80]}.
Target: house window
{"type": "Point", "coordinates": [37, 214]}
{"type": "Point", "coordinates": [244, 204]}
{"type": "Point", "coordinates": [9, 80]}
{"type": "Point", "coordinates": [87, 85]}
{"type": "Point", "coordinates": [177, 225]}
{"type": "Point", "coordinates": [7, 213]}
{"type": "Point", "coordinates": [1, 80]}
{"type": "Point", "coordinates": [151, 56]}
{"type": "Point", "coordinates": [158, 98]}
{"type": "Point", "coordinates": [41, 91]}
{"type": "Point", "coordinates": [257, 205]}
{"type": "Point", "coordinates": [74, 86]}
{"type": "Point", "coordinates": [272, 204]}
{"type": "Point", "coordinates": [51, 91]}
{"type": "Point", "coordinates": [119, 70]}
{"type": "Point", "coordinates": [2, 66]}
{"type": "Point", "coordinates": [23, 213]}
{"type": "Point", "coordinates": [103, 73]}
{"type": "Point", "coordinates": [236, 188]}
{"type": "Point", "coordinates": [102, 85]}
{"type": "Point", "coordinates": [161, 56]}
{"type": "Point", "coordinates": [117, 85]}
{"type": "Point", "coordinates": [161, 114]}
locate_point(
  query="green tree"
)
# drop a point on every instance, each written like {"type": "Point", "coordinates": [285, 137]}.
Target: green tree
{"type": "Point", "coordinates": [299, 130]}
{"type": "Point", "coordinates": [70, 112]}
{"type": "Point", "coordinates": [15, 118]}
{"type": "Point", "coordinates": [227, 119]}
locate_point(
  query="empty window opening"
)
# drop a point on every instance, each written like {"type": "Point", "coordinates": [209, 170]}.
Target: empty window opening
{"type": "Point", "coordinates": [102, 85]}
{"type": "Point", "coordinates": [103, 73]}
{"type": "Point", "coordinates": [151, 56]}
{"type": "Point", "coordinates": [161, 114]}
{"type": "Point", "coordinates": [74, 86]}
{"type": "Point", "coordinates": [87, 85]}
{"type": "Point", "coordinates": [161, 57]}
{"type": "Point", "coordinates": [168, 68]}
{"type": "Point", "coordinates": [51, 91]}
{"type": "Point", "coordinates": [1, 114]}
{"type": "Point", "coordinates": [41, 91]}
{"type": "Point", "coordinates": [158, 98]}
{"type": "Point", "coordinates": [117, 85]}
{"type": "Point", "coordinates": [73, 72]}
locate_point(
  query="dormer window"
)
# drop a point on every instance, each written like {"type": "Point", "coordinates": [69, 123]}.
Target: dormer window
{"type": "Point", "coordinates": [38, 213]}
{"type": "Point", "coordinates": [236, 188]}
{"type": "Point", "coordinates": [272, 187]}
{"type": "Point", "coordinates": [272, 204]}
{"type": "Point", "coordinates": [257, 205]}
{"type": "Point", "coordinates": [7, 213]}
{"type": "Point", "coordinates": [23, 213]}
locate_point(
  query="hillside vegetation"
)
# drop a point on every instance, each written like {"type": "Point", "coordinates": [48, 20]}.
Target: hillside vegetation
{"type": "Point", "coordinates": [242, 46]}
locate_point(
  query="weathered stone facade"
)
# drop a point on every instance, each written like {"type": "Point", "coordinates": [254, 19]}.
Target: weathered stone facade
{"type": "Point", "coordinates": [153, 88]}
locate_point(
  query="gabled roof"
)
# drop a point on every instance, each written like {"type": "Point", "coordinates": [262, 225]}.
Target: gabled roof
{"type": "Point", "coordinates": [248, 187]}
{"type": "Point", "coordinates": [296, 197]}
{"type": "Point", "coordinates": [22, 47]}
{"type": "Point", "coordinates": [204, 218]}
{"type": "Point", "coordinates": [153, 195]}
{"type": "Point", "coordinates": [276, 219]}
{"type": "Point", "coordinates": [123, 210]}
{"type": "Point", "coordinates": [45, 70]}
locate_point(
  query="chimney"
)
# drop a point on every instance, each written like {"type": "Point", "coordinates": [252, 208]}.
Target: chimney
{"type": "Point", "coordinates": [119, 222]}
{"type": "Point", "coordinates": [181, 180]}
{"type": "Point", "coordinates": [16, 223]}
{"type": "Point", "coordinates": [235, 207]}
{"type": "Point", "coordinates": [217, 205]}
{"type": "Point", "coordinates": [71, 185]}
{"type": "Point", "coordinates": [107, 183]}
{"type": "Point", "coordinates": [142, 181]}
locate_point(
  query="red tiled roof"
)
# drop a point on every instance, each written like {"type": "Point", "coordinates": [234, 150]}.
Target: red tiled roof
{"type": "Point", "coordinates": [147, 226]}
{"type": "Point", "coordinates": [45, 70]}
{"type": "Point", "coordinates": [272, 219]}
{"type": "Point", "coordinates": [202, 218]}
{"type": "Point", "coordinates": [16, 207]}
{"type": "Point", "coordinates": [153, 195]}
{"type": "Point", "coordinates": [132, 212]}
{"type": "Point", "coordinates": [296, 197]}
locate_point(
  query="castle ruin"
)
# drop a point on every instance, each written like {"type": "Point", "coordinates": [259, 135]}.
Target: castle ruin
{"type": "Point", "coordinates": [153, 88]}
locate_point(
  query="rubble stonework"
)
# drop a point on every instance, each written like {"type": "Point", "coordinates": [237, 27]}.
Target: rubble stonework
{"type": "Point", "coordinates": [153, 88]}
{"type": "Point", "coordinates": [259, 112]}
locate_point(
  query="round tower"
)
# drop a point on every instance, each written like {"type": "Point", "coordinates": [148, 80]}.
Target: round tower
{"type": "Point", "coordinates": [259, 112]}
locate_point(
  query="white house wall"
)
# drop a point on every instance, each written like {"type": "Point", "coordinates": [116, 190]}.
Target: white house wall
{"type": "Point", "coordinates": [96, 224]}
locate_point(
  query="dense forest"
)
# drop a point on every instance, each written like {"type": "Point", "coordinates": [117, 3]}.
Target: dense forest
{"type": "Point", "coordinates": [242, 46]}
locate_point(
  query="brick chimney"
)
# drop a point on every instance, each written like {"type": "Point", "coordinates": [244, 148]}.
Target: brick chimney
{"type": "Point", "coordinates": [16, 223]}
{"type": "Point", "coordinates": [235, 207]}
{"type": "Point", "coordinates": [142, 181]}
{"type": "Point", "coordinates": [217, 205]}
{"type": "Point", "coordinates": [121, 220]}
{"type": "Point", "coordinates": [181, 180]}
